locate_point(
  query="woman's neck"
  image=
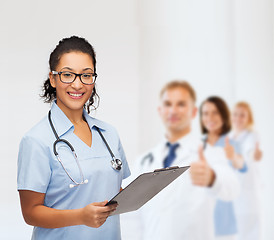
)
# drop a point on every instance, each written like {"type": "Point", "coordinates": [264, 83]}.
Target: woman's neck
{"type": "Point", "coordinates": [212, 137]}
{"type": "Point", "coordinates": [75, 116]}
{"type": "Point", "coordinates": [238, 131]}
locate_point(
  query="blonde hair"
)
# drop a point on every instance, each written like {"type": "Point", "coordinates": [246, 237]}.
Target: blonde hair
{"type": "Point", "coordinates": [247, 107]}
{"type": "Point", "coordinates": [179, 84]}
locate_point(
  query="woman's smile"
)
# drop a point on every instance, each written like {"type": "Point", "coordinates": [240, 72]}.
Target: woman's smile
{"type": "Point", "coordinates": [76, 95]}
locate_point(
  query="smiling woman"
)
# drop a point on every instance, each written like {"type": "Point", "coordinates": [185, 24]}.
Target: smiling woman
{"type": "Point", "coordinates": [73, 47]}
{"type": "Point", "coordinates": [215, 125]}
{"type": "Point", "coordinates": [71, 92]}
{"type": "Point", "coordinates": [248, 205]}
{"type": "Point", "coordinates": [59, 188]}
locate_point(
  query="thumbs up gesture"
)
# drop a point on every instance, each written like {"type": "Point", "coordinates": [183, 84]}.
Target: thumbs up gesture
{"type": "Point", "coordinates": [200, 171]}
{"type": "Point", "coordinates": [236, 159]}
{"type": "Point", "coordinates": [229, 150]}
{"type": "Point", "coordinates": [257, 153]}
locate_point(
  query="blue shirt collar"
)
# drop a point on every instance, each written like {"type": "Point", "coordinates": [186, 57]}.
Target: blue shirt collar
{"type": "Point", "coordinates": [221, 140]}
{"type": "Point", "coordinates": [93, 121]}
{"type": "Point", "coordinates": [62, 124]}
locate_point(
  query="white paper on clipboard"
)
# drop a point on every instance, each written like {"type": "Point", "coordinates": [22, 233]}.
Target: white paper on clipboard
{"type": "Point", "coordinates": [144, 188]}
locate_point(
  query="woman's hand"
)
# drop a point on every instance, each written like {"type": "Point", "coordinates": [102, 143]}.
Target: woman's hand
{"type": "Point", "coordinates": [257, 153]}
{"type": "Point", "coordinates": [229, 149]}
{"type": "Point", "coordinates": [37, 214]}
{"type": "Point", "coordinates": [236, 159]}
{"type": "Point", "coordinates": [95, 214]}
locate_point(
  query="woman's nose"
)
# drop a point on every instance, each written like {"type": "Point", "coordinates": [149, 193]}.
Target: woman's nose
{"type": "Point", "coordinates": [77, 83]}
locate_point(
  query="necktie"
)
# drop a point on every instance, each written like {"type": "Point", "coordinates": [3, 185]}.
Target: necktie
{"type": "Point", "coordinates": [171, 154]}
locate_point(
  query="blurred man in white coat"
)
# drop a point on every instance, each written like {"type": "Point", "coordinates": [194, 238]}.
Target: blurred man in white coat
{"type": "Point", "coordinates": [183, 210]}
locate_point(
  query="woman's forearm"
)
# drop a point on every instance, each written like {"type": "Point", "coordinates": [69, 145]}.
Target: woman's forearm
{"type": "Point", "coordinates": [37, 214]}
{"type": "Point", "coordinates": [46, 217]}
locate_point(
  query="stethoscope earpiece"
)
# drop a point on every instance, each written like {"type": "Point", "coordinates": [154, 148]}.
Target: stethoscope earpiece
{"type": "Point", "coordinates": [77, 184]}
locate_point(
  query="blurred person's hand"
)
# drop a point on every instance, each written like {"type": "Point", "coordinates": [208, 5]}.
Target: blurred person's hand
{"type": "Point", "coordinates": [200, 171]}
{"type": "Point", "coordinates": [258, 153]}
{"type": "Point", "coordinates": [229, 149]}
{"type": "Point", "coordinates": [236, 159]}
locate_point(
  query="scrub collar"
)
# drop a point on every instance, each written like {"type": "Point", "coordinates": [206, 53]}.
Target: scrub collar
{"type": "Point", "coordinates": [63, 124]}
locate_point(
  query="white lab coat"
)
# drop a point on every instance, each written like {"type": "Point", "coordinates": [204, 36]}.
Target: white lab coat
{"type": "Point", "coordinates": [181, 210]}
{"type": "Point", "coordinates": [248, 204]}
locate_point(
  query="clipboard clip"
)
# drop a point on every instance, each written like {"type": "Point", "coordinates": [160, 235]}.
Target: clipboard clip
{"type": "Point", "coordinates": [164, 169]}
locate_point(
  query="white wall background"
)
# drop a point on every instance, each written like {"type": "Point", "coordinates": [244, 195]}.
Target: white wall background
{"type": "Point", "coordinates": [222, 47]}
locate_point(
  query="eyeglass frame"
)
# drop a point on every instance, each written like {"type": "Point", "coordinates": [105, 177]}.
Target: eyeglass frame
{"type": "Point", "coordinates": [76, 75]}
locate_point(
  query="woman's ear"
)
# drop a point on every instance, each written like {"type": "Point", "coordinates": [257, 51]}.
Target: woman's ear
{"type": "Point", "coordinates": [52, 80]}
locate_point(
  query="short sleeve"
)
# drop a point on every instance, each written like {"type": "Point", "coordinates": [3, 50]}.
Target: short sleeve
{"type": "Point", "coordinates": [34, 170]}
{"type": "Point", "coordinates": [125, 167]}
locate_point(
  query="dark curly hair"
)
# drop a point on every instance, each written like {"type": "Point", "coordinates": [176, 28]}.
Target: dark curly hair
{"type": "Point", "coordinates": [67, 45]}
{"type": "Point", "coordinates": [223, 110]}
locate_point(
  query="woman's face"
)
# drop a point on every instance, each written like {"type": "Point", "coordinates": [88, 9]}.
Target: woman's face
{"type": "Point", "coordinates": [211, 118]}
{"type": "Point", "coordinates": [240, 118]}
{"type": "Point", "coordinates": [72, 96]}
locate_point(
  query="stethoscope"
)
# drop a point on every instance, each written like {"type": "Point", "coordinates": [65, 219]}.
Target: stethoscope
{"type": "Point", "coordinates": [150, 158]}
{"type": "Point", "coordinates": [204, 141]}
{"type": "Point", "coordinates": [115, 163]}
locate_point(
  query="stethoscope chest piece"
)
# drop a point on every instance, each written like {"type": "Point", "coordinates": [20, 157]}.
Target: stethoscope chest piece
{"type": "Point", "coordinates": [116, 164]}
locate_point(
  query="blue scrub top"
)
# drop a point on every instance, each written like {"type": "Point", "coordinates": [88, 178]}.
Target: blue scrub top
{"type": "Point", "coordinates": [40, 171]}
{"type": "Point", "coordinates": [224, 216]}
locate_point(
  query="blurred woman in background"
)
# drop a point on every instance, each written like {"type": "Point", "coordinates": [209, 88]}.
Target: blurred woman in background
{"type": "Point", "coordinates": [247, 206]}
{"type": "Point", "coordinates": [215, 125]}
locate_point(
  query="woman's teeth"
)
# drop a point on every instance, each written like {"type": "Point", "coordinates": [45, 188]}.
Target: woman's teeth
{"type": "Point", "coordinates": [76, 94]}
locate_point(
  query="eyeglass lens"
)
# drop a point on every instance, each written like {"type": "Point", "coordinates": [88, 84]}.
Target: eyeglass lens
{"type": "Point", "coordinates": [69, 77]}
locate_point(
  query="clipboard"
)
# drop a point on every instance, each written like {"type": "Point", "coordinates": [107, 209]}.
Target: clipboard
{"type": "Point", "coordinates": [144, 188]}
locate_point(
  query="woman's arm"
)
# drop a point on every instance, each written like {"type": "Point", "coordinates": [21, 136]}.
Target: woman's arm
{"type": "Point", "coordinates": [36, 214]}
{"type": "Point", "coordinates": [236, 159]}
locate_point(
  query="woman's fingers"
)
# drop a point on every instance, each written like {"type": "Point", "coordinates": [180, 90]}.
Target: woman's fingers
{"type": "Point", "coordinates": [95, 214]}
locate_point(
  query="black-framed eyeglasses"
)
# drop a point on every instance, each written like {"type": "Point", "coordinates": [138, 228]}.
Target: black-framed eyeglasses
{"type": "Point", "coordinates": [69, 77]}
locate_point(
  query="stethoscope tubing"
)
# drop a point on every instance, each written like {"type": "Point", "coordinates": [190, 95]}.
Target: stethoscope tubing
{"type": "Point", "coordinates": [115, 163]}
